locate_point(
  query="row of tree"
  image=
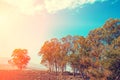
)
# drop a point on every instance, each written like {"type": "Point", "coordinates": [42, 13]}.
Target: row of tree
{"type": "Point", "coordinates": [96, 56]}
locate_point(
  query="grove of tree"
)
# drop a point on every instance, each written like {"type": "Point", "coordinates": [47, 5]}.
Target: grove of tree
{"type": "Point", "coordinates": [95, 57]}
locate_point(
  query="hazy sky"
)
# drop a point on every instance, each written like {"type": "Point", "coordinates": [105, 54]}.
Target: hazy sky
{"type": "Point", "coordinates": [29, 23]}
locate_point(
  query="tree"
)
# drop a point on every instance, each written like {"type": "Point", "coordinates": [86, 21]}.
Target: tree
{"type": "Point", "coordinates": [46, 54]}
{"type": "Point", "coordinates": [102, 50]}
{"type": "Point", "coordinates": [63, 57]}
{"type": "Point", "coordinates": [50, 53]}
{"type": "Point", "coordinates": [111, 59]}
{"type": "Point", "coordinates": [19, 58]}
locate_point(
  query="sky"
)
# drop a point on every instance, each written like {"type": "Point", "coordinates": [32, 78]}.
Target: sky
{"type": "Point", "coordinates": [27, 24]}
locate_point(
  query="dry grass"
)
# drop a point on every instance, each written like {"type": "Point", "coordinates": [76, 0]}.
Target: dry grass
{"type": "Point", "coordinates": [32, 75]}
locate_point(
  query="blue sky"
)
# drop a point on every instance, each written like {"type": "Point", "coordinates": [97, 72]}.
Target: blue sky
{"type": "Point", "coordinates": [81, 20]}
{"type": "Point", "coordinates": [29, 23]}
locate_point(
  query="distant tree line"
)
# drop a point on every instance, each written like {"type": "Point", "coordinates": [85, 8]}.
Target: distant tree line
{"type": "Point", "coordinates": [96, 56]}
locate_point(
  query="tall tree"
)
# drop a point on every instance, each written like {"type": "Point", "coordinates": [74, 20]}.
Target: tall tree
{"type": "Point", "coordinates": [111, 59]}
{"type": "Point", "coordinates": [50, 53]}
{"type": "Point", "coordinates": [100, 39]}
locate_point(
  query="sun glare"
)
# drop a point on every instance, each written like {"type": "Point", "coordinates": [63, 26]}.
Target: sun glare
{"type": "Point", "coordinates": [4, 24]}
{"type": "Point", "coordinates": [3, 20]}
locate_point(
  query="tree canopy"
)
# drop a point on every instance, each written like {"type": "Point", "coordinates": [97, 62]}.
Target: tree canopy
{"type": "Point", "coordinates": [19, 58]}
{"type": "Point", "coordinates": [96, 56]}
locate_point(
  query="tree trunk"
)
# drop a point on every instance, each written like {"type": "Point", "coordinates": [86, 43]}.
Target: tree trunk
{"type": "Point", "coordinates": [50, 67]}
{"type": "Point", "coordinates": [82, 74]}
{"type": "Point", "coordinates": [73, 71]}
{"type": "Point", "coordinates": [56, 68]}
{"type": "Point", "coordinates": [20, 67]}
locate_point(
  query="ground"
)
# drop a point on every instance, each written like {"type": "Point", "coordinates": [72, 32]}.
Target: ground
{"type": "Point", "coordinates": [32, 75]}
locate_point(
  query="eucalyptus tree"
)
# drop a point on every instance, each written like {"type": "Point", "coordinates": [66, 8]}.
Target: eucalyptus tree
{"type": "Point", "coordinates": [100, 39]}
{"type": "Point", "coordinates": [111, 59]}
{"type": "Point", "coordinates": [50, 54]}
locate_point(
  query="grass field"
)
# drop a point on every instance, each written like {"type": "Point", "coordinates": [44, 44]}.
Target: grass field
{"type": "Point", "coordinates": [32, 75]}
